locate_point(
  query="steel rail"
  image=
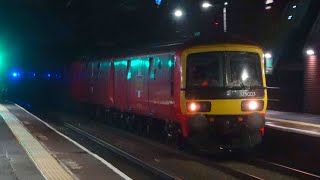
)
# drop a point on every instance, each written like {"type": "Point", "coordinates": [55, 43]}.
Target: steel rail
{"type": "Point", "coordinates": [138, 162]}
{"type": "Point", "coordinates": [163, 175]}
{"type": "Point", "coordinates": [287, 169]}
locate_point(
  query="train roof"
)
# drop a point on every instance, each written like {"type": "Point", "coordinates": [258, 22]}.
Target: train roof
{"type": "Point", "coordinates": [174, 45]}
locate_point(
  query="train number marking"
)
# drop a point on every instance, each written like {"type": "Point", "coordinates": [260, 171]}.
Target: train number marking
{"type": "Point", "coordinates": [246, 93]}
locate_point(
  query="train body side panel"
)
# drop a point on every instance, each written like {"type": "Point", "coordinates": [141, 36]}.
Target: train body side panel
{"type": "Point", "coordinates": [78, 83]}
{"type": "Point", "coordinates": [101, 85]}
{"type": "Point", "coordinates": [84, 82]}
{"type": "Point", "coordinates": [161, 86]}
{"type": "Point", "coordinates": [74, 82]}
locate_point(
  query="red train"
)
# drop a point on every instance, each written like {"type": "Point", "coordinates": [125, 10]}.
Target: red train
{"type": "Point", "coordinates": [207, 88]}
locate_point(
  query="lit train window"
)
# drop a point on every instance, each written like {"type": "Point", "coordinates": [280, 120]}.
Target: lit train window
{"type": "Point", "coordinates": [129, 75]}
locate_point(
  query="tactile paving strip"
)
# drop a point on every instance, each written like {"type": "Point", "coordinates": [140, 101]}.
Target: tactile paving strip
{"type": "Point", "coordinates": [45, 162]}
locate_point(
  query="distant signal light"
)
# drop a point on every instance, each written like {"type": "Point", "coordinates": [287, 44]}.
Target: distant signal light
{"type": "Point", "coordinates": [15, 74]}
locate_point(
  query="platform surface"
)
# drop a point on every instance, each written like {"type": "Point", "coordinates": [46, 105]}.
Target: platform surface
{"type": "Point", "coordinates": [14, 161]}
{"type": "Point", "coordinates": [300, 117]}
{"type": "Point", "coordinates": [32, 149]}
{"type": "Point", "coordinates": [307, 124]}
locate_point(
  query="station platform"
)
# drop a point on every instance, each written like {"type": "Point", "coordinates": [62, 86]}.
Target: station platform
{"type": "Point", "coordinates": [32, 149]}
{"type": "Point", "coordinates": [302, 123]}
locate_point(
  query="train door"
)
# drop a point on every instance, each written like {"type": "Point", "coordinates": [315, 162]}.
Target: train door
{"type": "Point", "coordinates": [90, 81]}
{"type": "Point", "coordinates": [95, 89]}
{"type": "Point", "coordinates": [109, 86]}
{"type": "Point", "coordinates": [129, 89]}
{"type": "Point", "coordinates": [102, 83]}
{"type": "Point", "coordinates": [137, 90]}
{"type": "Point", "coordinates": [82, 82]}
{"type": "Point", "coordinates": [120, 85]}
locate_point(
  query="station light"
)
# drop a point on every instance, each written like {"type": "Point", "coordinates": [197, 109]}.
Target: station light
{"type": "Point", "coordinates": [3, 59]}
{"type": "Point", "coordinates": [226, 3]}
{"type": "Point", "coordinates": [269, 1]}
{"type": "Point", "coordinates": [178, 13]}
{"type": "Point", "coordinates": [294, 6]}
{"type": "Point", "coordinates": [206, 5]}
{"type": "Point", "coordinates": [268, 55]}
{"type": "Point", "coordinates": [269, 4]}
{"type": "Point", "coordinates": [289, 17]}
{"type": "Point", "coordinates": [310, 52]}
{"type": "Point", "coordinates": [158, 2]}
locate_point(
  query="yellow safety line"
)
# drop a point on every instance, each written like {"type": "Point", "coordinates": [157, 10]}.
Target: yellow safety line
{"type": "Point", "coordinates": [44, 161]}
{"type": "Point", "coordinates": [293, 122]}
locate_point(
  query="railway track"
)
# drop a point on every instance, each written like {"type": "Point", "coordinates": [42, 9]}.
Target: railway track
{"type": "Point", "coordinates": [161, 174]}
{"type": "Point", "coordinates": [286, 169]}
{"type": "Point", "coordinates": [157, 172]}
{"type": "Point", "coordinates": [239, 173]}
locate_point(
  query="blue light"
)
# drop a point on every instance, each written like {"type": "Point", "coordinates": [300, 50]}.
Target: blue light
{"type": "Point", "coordinates": [49, 75]}
{"type": "Point", "coordinates": [57, 76]}
{"type": "Point", "coordinates": [158, 2]}
{"type": "Point", "coordinates": [15, 75]}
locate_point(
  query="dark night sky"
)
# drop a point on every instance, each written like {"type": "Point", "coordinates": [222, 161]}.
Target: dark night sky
{"type": "Point", "coordinates": [47, 31]}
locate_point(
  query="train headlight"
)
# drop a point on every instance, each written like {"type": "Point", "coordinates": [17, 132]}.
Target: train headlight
{"type": "Point", "coordinates": [252, 105]}
{"type": "Point", "coordinates": [193, 107]}
{"type": "Point", "coordinates": [203, 106]}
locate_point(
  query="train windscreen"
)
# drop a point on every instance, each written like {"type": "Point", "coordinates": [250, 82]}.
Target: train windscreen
{"type": "Point", "coordinates": [205, 69]}
{"type": "Point", "coordinates": [244, 69]}
{"type": "Point", "coordinates": [224, 70]}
